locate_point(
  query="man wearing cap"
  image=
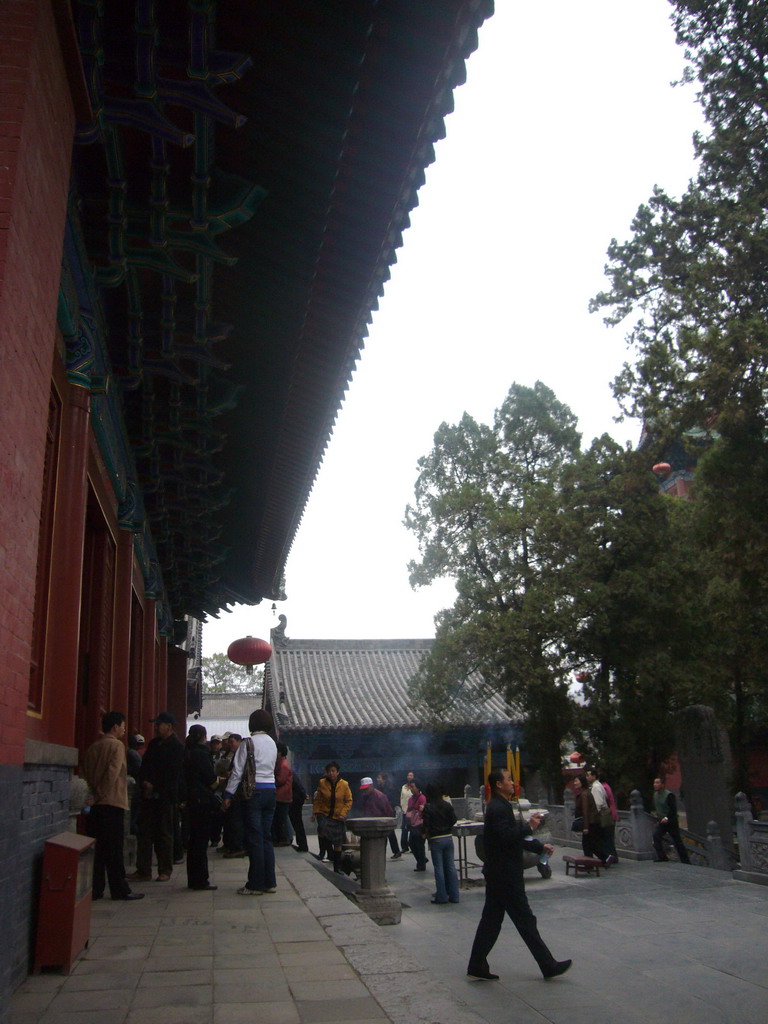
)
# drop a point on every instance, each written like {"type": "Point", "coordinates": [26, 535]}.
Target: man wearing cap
{"type": "Point", "coordinates": [104, 769]}
{"type": "Point", "coordinates": [161, 782]}
{"type": "Point", "coordinates": [371, 802]}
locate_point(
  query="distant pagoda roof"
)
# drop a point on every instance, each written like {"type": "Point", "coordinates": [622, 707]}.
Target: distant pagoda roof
{"type": "Point", "coordinates": [353, 685]}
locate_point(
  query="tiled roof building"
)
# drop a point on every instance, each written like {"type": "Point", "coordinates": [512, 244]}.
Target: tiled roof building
{"type": "Point", "coordinates": [350, 700]}
{"type": "Point", "coordinates": [227, 712]}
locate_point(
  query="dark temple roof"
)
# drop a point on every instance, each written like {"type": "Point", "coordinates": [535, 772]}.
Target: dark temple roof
{"type": "Point", "coordinates": [353, 685]}
{"type": "Point", "coordinates": [242, 191]}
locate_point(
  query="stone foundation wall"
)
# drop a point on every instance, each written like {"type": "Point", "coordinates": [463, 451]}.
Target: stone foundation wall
{"type": "Point", "coordinates": [34, 805]}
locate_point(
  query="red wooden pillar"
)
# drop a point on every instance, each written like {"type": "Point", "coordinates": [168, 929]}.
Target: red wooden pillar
{"type": "Point", "coordinates": [161, 692]}
{"type": "Point", "coordinates": [63, 620]}
{"type": "Point", "coordinates": [148, 691]}
{"type": "Point", "coordinates": [177, 687]}
{"type": "Point", "coordinates": [121, 649]}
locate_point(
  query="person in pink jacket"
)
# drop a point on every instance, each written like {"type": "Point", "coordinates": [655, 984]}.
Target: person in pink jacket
{"type": "Point", "coordinates": [281, 835]}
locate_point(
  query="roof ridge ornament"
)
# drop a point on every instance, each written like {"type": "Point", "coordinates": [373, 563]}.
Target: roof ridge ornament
{"type": "Point", "coordinates": [277, 633]}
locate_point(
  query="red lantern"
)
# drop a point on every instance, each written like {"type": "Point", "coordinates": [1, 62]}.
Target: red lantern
{"type": "Point", "coordinates": [583, 677]}
{"type": "Point", "coordinates": [575, 758]}
{"type": "Point", "coordinates": [662, 469]}
{"type": "Point", "coordinates": [249, 651]}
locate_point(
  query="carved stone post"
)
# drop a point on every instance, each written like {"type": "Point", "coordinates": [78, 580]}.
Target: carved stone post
{"type": "Point", "coordinates": [718, 857]}
{"type": "Point", "coordinates": [744, 818]}
{"type": "Point", "coordinates": [569, 807]}
{"type": "Point", "coordinates": [375, 897]}
{"type": "Point", "coordinates": [752, 837]}
{"type": "Point", "coordinates": [642, 826]}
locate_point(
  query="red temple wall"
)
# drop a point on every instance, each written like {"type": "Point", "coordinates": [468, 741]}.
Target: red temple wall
{"type": "Point", "coordinates": [36, 131]}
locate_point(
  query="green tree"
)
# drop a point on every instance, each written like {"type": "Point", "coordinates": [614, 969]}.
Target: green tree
{"type": "Point", "coordinates": [694, 277]}
{"type": "Point", "coordinates": [731, 499]}
{"type": "Point", "coordinates": [483, 498]}
{"type": "Point", "coordinates": [694, 273]}
{"type": "Point", "coordinates": [220, 675]}
{"type": "Point", "coordinates": [636, 618]}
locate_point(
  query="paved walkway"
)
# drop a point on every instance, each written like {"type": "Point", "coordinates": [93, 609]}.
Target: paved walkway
{"type": "Point", "coordinates": [650, 942]}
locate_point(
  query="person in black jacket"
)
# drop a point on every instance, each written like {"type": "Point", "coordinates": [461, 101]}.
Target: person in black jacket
{"type": "Point", "coordinates": [665, 807]}
{"type": "Point", "coordinates": [200, 777]}
{"type": "Point", "coordinates": [161, 791]}
{"type": "Point", "coordinates": [504, 886]}
{"type": "Point", "coordinates": [439, 819]}
{"type": "Point", "coordinates": [296, 813]}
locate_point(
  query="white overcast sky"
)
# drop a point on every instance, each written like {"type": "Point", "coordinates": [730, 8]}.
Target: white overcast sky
{"type": "Point", "coordinates": [567, 121]}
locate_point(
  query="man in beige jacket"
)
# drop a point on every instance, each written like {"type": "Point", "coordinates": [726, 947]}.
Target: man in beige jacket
{"type": "Point", "coordinates": [105, 771]}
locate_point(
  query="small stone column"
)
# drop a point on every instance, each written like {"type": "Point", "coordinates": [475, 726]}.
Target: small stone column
{"type": "Point", "coordinates": [375, 897]}
{"type": "Point", "coordinates": [744, 818]}
{"type": "Point", "coordinates": [569, 811]}
{"type": "Point", "coordinates": [642, 826]}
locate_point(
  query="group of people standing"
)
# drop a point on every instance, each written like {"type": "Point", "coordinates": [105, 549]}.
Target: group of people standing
{"type": "Point", "coordinates": [596, 817]}
{"type": "Point", "coordinates": [259, 772]}
{"type": "Point", "coordinates": [172, 775]}
{"type": "Point", "coordinates": [597, 814]}
{"type": "Point", "coordinates": [427, 819]}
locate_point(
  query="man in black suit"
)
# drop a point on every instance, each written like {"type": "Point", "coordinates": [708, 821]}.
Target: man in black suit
{"type": "Point", "coordinates": [504, 836]}
{"type": "Point", "coordinates": [665, 806]}
{"type": "Point", "coordinates": [161, 792]}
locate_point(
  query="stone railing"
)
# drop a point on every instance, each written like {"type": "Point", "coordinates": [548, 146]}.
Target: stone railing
{"type": "Point", "coordinates": [634, 838]}
{"type": "Point", "coordinates": [752, 837]}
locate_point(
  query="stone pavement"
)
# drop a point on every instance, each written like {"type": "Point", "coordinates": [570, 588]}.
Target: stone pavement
{"type": "Point", "coordinates": [649, 941]}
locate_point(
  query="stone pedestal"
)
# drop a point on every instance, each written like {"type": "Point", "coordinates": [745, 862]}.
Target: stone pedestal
{"type": "Point", "coordinates": [375, 897]}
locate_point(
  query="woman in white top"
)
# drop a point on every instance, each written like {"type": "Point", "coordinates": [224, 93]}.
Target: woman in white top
{"type": "Point", "coordinates": [259, 809]}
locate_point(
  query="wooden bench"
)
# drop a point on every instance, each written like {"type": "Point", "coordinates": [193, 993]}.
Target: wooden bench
{"type": "Point", "coordinates": [582, 865]}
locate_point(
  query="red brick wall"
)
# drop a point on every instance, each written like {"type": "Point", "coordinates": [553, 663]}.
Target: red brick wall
{"type": "Point", "coordinates": [36, 130]}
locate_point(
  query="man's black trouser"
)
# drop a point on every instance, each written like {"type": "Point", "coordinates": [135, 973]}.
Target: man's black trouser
{"type": "Point", "coordinates": [155, 828]}
{"type": "Point", "coordinates": [197, 847]}
{"type": "Point", "coordinates": [233, 830]}
{"type": "Point", "coordinates": [106, 824]}
{"type": "Point", "coordinates": [297, 820]}
{"type": "Point", "coordinates": [677, 839]}
{"type": "Point", "coordinates": [507, 896]}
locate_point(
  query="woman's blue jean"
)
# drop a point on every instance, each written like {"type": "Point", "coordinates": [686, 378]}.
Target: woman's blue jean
{"type": "Point", "coordinates": [446, 879]}
{"type": "Point", "coordinates": [257, 818]}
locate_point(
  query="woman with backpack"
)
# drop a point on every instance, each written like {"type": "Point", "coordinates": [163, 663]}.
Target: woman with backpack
{"type": "Point", "coordinates": [254, 766]}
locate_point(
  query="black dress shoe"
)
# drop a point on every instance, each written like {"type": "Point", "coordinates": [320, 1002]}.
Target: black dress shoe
{"type": "Point", "coordinates": [556, 968]}
{"type": "Point", "coordinates": [203, 888]}
{"type": "Point", "coordinates": [130, 896]}
{"type": "Point", "coordinates": [482, 974]}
